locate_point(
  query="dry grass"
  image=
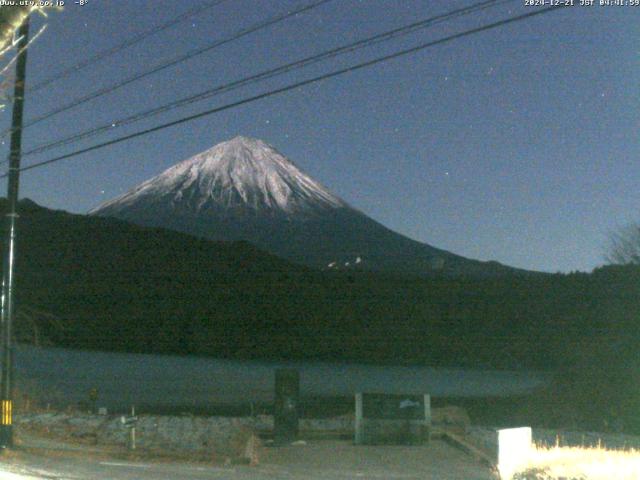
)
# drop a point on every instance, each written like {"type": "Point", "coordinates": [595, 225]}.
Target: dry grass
{"type": "Point", "coordinates": [572, 463]}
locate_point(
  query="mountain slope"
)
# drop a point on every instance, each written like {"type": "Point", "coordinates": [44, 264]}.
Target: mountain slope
{"type": "Point", "coordinates": [117, 286]}
{"type": "Point", "coordinates": [240, 176]}
{"type": "Point", "coordinates": [244, 189]}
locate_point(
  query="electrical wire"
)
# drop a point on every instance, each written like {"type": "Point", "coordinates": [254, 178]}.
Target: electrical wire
{"type": "Point", "coordinates": [122, 46]}
{"type": "Point", "coordinates": [293, 86]}
{"type": "Point", "coordinates": [163, 66]}
{"type": "Point", "coordinates": [267, 74]}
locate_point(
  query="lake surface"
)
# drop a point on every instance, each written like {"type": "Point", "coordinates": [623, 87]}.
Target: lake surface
{"type": "Point", "coordinates": [62, 376]}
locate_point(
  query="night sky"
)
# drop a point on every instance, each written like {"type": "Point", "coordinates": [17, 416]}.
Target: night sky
{"type": "Point", "coordinates": [519, 144]}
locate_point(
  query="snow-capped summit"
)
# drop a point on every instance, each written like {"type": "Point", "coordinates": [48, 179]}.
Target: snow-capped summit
{"type": "Point", "coordinates": [244, 189]}
{"type": "Point", "coordinates": [240, 173]}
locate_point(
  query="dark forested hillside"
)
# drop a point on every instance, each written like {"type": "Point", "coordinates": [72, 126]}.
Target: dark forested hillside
{"type": "Point", "coordinates": [115, 286]}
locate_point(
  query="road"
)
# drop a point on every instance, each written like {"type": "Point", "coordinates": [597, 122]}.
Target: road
{"type": "Point", "coordinates": [318, 460]}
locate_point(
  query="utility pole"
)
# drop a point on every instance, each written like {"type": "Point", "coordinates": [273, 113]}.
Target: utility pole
{"type": "Point", "coordinates": [6, 377]}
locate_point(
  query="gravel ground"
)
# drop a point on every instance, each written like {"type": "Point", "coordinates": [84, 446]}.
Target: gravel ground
{"type": "Point", "coordinates": [343, 460]}
{"type": "Point", "coordinates": [321, 460]}
{"type": "Point", "coordinates": [78, 446]}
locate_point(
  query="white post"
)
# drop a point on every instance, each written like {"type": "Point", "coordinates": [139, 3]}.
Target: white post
{"type": "Point", "coordinates": [514, 450]}
{"type": "Point", "coordinates": [427, 418]}
{"type": "Point", "coordinates": [359, 426]}
{"type": "Point", "coordinates": [427, 410]}
{"type": "Point", "coordinates": [133, 429]}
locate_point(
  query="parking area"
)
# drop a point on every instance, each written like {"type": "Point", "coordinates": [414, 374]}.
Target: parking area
{"type": "Point", "coordinates": [316, 460]}
{"type": "Point", "coordinates": [343, 460]}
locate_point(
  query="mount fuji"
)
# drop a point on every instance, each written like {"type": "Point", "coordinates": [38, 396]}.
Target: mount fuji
{"type": "Point", "coordinates": [244, 189]}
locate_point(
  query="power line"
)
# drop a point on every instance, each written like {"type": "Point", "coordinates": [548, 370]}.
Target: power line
{"type": "Point", "coordinates": [293, 86]}
{"type": "Point", "coordinates": [163, 66]}
{"type": "Point", "coordinates": [124, 45]}
{"type": "Point", "coordinates": [267, 74]}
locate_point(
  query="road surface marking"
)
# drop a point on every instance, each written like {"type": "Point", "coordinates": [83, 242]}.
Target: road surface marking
{"type": "Point", "coordinates": [124, 464]}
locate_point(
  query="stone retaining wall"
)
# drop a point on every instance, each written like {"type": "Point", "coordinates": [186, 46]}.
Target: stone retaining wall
{"type": "Point", "coordinates": [216, 435]}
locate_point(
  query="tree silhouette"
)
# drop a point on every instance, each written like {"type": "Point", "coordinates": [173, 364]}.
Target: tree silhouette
{"type": "Point", "coordinates": [624, 246]}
